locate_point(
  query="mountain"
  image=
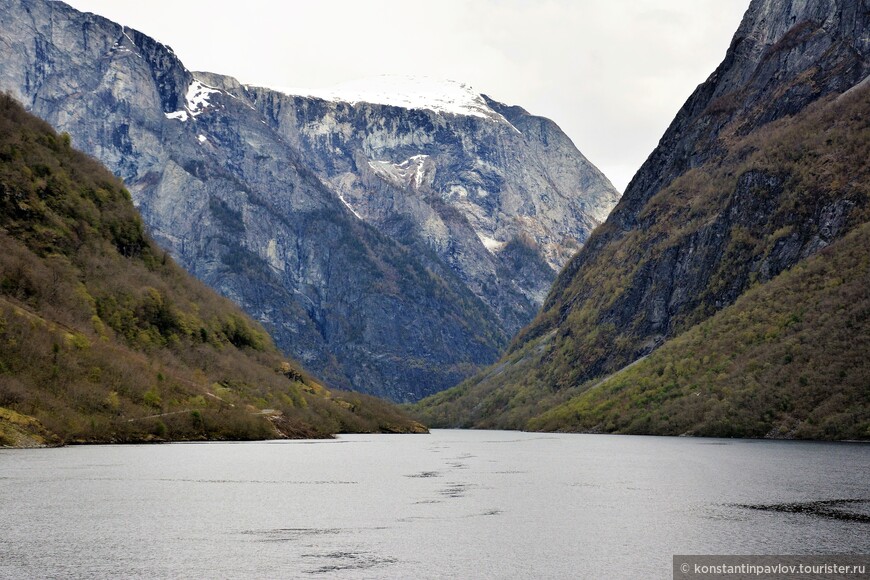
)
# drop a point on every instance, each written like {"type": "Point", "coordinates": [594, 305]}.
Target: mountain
{"type": "Point", "coordinates": [105, 339]}
{"type": "Point", "coordinates": [501, 196]}
{"type": "Point", "coordinates": [392, 244]}
{"type": "Point", "coordinates": [764, 166]}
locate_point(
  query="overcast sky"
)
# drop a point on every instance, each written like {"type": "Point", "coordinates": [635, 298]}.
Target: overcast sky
{"type": "Point", "coordinates": [611, 73]}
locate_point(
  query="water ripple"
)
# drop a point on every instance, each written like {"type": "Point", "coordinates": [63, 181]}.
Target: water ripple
{"type": "Point", "coordinates": [425, 474]}
{"type": "Point", "coordinates": [339, 561]}
{"type": "Point", "coordinates": [837, 509]}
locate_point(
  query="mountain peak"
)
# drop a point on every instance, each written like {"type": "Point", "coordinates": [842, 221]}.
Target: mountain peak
{"type": "Point", "coordinates": [781, 33]}
{"type": "Point", "coordinates": [393, 249]}
{"type": "Point", "coordinates": [405, 91]}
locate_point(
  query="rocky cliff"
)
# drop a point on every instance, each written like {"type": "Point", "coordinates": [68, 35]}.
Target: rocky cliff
{"type": "Point", "coordinates": [391, 247]}
{"type": "Point", "coordinates": [764, 165]}
{"type": "Point", "coordinates": [502, 197]}
{"type": "Point", "coordinates": [103, 338]}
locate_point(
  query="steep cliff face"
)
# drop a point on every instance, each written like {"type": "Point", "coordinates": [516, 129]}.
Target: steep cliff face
{"type": "Point", "coordinates": [320, 218]}
{"type": "Point", "coordinates": [440, 168]}
{"type": "Point", "coordinates": [764, 165]}
{"type": "Point", "coordinates": [784, 56]}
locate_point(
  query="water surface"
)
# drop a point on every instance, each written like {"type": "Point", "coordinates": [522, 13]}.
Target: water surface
{"type": "Point", "coordinates": [471, 504]}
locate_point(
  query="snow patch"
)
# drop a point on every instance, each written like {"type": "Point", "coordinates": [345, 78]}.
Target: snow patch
{"type": "Point", "coordinates": [348, 206]}
{"type": "Point", "coordinates": [196, 101]}
{"type": "Point", "coordinates": [177, 115]}
{"type": "Point", "coordinates": [408, 92]}
{"type": "Point", "coordinates": [119, 46]}
{"type": "Point", "coordinates": [412, 170]}
{"type": "Point", "coordinates": [418, 173]}
{"type": "Point", "coordinates": [197, 97]}
{"type": "Point", "coordinates": [491, 244]}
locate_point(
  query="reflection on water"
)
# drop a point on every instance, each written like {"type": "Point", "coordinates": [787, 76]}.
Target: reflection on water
{"type": "Point", "coordinates": [451, 504]}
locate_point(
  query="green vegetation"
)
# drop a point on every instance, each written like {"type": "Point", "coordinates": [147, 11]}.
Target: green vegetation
{"type": "Point", "coordinates": [820, 157]}
{"type": "Point", "coordinates": [788, 359]}
{"type": "Point", "coordinates": [103, 338]}
{"type": "Point", "coordinates": [785, 172]}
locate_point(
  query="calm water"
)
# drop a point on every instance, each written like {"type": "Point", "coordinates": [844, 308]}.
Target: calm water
{"type": "Point", "coordinates": [454, 504]}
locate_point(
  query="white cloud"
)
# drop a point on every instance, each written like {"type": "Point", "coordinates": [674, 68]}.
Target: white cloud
{"type": "Point", "coordinates": [611, 74]}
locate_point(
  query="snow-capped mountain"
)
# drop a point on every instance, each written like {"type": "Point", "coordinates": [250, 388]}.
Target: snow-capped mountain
{"type": "Point", "coordinates": [503, 197]}
{"type": "Point", "coordinates": [406, 92]}
{"type": "Point", "coordinates": [391, 238]}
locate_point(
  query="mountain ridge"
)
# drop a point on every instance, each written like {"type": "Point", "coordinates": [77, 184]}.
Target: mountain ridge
{"type": "Point", "coordinates": [751, 177]}
{"type": "Point", "coordinates": [390, 250]}
{"type": "Point", "coordinates": [401, 91]}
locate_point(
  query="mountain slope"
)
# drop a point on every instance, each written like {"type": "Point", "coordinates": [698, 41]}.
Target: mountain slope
{"type": "Point", "coordinates": [391, 250]}
{"type": "Point", "coordinates": [764, 165]}
{"type": "Point", "coordinates": [105, 339]}
{"type": "Point", "coordinates": [459, 173]}
{"type": "Point", "coordinates": [788, 359]}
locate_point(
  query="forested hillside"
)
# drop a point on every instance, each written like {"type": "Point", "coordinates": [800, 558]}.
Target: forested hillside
{"type": "Point", "coordinates": [788, 359]}
{"type": "Point", "coordinates": [104, 338]}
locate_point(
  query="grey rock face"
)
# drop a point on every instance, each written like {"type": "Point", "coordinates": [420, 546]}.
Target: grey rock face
{"type": "Point", "coordinates": [468, 187]}
{"type": "Point", "coordinates": [390, 250]}
{"type": "Point", "coordinates": [728, 199]}
{"type": "Point", "coordinates": [784, 57]}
